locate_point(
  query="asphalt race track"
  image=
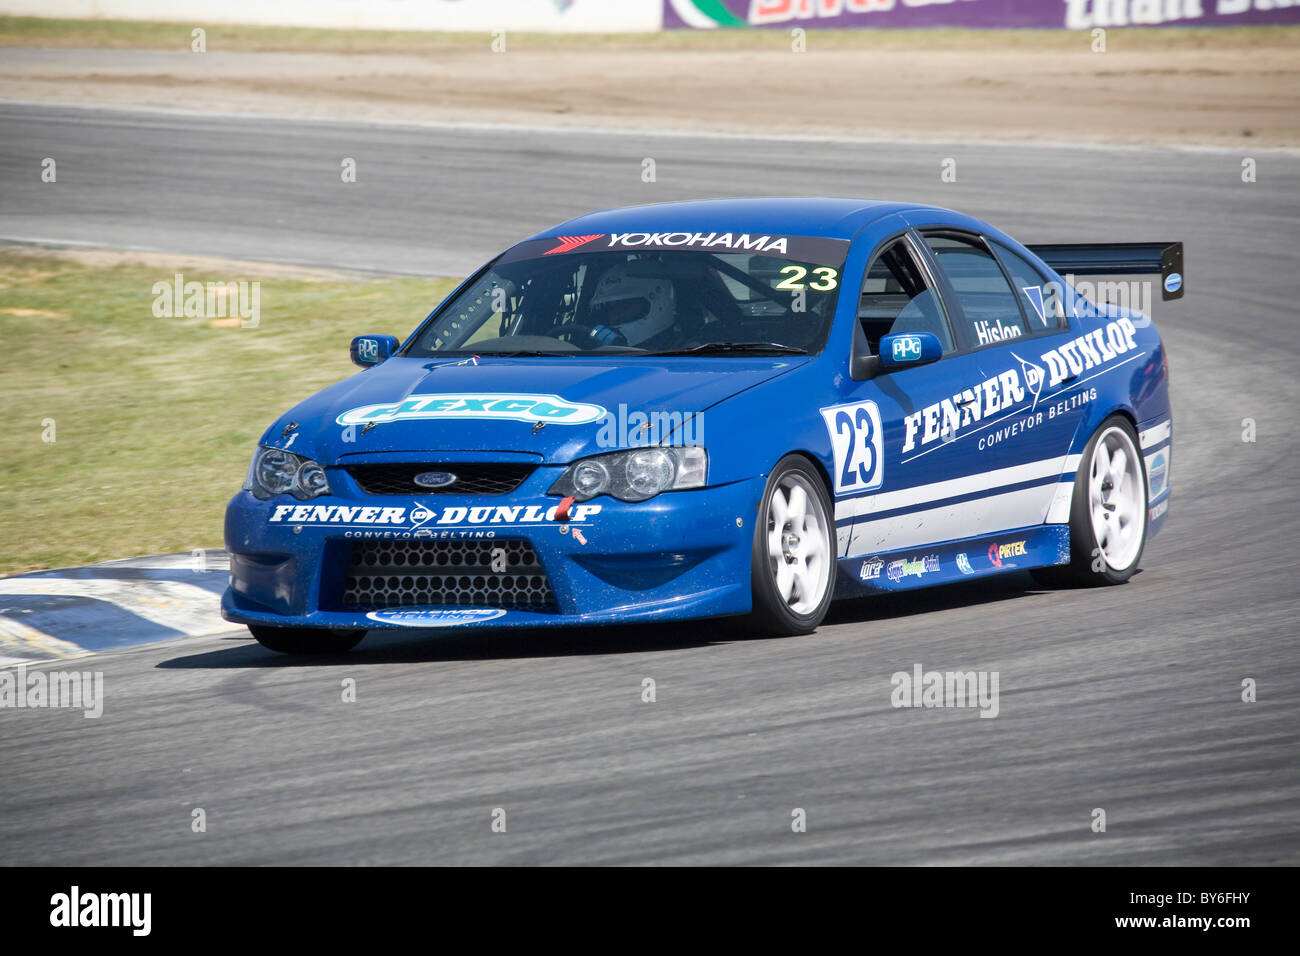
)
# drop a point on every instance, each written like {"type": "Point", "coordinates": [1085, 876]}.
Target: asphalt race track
{"type": "Point", "coordinates": [1127, 699]}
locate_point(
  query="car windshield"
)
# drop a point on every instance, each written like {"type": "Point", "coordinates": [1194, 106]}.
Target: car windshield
{"type": "Point", "coordinates": [644, 294]}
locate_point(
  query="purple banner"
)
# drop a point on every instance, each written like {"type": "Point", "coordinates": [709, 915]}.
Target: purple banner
{"type": "Point", "coordinates": [1055, 14]}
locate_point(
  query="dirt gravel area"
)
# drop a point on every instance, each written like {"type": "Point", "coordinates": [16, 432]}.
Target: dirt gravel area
{"type": "Point", "coordinates": [1200, 87]}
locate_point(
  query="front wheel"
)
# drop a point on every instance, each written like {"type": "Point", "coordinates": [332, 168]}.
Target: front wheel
{"type": "Point", "coordinates": [1108, 515]}
{"type": "Point", "coordinates": [306, 640]}
{"type": "Point", "coordinates": [793, 563]}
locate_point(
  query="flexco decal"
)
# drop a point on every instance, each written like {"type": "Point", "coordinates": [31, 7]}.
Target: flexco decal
{"type": "Point", "coordinates": [504, 406]}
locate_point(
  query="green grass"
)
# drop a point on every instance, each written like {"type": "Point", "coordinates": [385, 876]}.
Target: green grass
{"type": "Point", "coordinates": [154, 35]}
{"type": "Point", "coordinates": [155, 418]}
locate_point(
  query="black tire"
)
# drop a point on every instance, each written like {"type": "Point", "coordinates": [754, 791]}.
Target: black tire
{"type": "Point", "coordinates": [773, 613]}
{"type": "Point", "coordinates": [1089, 566]}
{"type": "Point", "coordinates": [306, 640]}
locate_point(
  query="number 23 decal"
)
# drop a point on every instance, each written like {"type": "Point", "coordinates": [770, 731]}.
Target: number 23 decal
{"type": "Point", "coordinates": [826, 279]}
{"type": "Point", "coordinates": [858, 444]}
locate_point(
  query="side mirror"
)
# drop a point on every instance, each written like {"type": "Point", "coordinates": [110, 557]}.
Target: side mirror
{"type": "Point", "coordinates": [862, 364]}
{"type": "Point", "coordinates": [368, 350]}
{"type": "Point", "coordinates": [909, 348]}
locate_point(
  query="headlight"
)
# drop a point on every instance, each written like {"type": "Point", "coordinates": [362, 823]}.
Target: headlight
{"type": "Point", "coordinates": [590, 478]}
{"type": "Point", "coordinates": [634, 475]}
{"type": "Point", "coordinates": [277, 472]}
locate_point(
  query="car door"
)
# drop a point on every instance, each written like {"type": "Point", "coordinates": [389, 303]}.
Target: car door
{"type": "Point", "coordinates": [1010, 440]}
{"type": "Point", "coordinates": [893, 478]}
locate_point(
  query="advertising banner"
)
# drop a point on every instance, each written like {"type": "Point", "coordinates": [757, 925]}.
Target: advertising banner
{"type": "Point", "coordinates": [1043, 14]}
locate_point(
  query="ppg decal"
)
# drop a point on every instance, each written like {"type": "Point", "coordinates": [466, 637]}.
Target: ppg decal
{"type": "Point", "coordinates": [907, 348]}
{"type": "Point", "coordinates": [368, 350]}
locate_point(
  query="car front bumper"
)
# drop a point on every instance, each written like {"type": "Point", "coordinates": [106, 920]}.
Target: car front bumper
{"type": "Point", "coordinates": [680, 555]}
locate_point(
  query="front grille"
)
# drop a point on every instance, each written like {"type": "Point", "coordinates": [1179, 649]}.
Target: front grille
{"type": "Point", "coordinates": [471, 479]}
{"type": "Point", "coordinates": [493, 573]}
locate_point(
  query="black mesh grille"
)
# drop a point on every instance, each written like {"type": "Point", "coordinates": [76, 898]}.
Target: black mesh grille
{"type": "Point", "coordinates": [482, 573]}
{"type": "Point", "coordinates": [471, 479]}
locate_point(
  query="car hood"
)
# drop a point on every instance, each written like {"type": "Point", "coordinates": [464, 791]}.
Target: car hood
{"type": "Point", "coordinates": [427, 407]}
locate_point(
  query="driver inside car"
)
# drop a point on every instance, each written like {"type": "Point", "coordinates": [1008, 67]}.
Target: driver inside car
{"type": "Point", "coordinates": [638, 311]}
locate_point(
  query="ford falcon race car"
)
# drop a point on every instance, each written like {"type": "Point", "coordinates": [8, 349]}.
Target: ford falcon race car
{"type": "Point", "coordinates": [735, 407]}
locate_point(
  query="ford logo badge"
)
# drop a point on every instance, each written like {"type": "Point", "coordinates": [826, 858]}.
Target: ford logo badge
{"type": "Point", "coordinates": [434, 479]}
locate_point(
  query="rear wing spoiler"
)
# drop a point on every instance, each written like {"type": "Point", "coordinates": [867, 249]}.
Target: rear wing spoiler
{"type": "Point", "coordinates": [1119, 258]}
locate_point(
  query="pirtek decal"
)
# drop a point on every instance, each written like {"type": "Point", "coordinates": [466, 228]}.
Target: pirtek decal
{"type": "Point", "coordinates": [1000, 552]}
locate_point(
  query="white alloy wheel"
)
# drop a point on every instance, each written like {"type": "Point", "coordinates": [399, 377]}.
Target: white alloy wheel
{"type": "Point", "coordinates": [1117, 499]}
{"type": "Point", "coordinates": [798, 543]}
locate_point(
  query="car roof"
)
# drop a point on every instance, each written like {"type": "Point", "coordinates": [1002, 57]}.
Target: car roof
{"type": "Point", "coordinates": [793, 216]}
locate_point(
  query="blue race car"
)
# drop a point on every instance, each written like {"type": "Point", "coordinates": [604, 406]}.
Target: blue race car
{"type": "Point", "coordinates": [700, 409]}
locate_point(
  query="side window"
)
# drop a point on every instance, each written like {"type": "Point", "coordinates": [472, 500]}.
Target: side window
{"type": "Point", "coordinates": [896, 298]}
{"type": "Point", "coordinates": [1041, 297]}
{"type": "Point", "coordinates": [990, 307]}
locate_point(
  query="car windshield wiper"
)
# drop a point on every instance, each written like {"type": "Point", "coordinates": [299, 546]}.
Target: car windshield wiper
{"type": "Point", "coordinates": [519, 353]}
{"type": "Point", "coordinates": [734, 347]}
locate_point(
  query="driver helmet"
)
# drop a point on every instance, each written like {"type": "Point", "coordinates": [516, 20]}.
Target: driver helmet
{"type": "Point", "coordinates": [637, 307]}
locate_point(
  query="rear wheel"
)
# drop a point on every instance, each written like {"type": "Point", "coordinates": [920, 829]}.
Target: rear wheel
{"type": "Point", "coordinates": [793, 565]}
{"type": "Point", "coordinates": [306, 640]}
{"type": "Point", "coordinates": [1108, 515]}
